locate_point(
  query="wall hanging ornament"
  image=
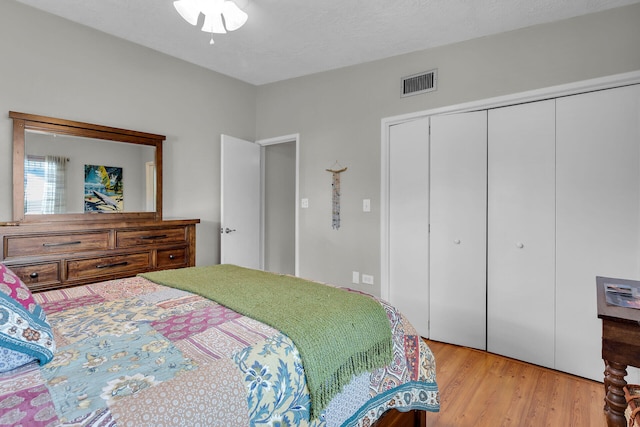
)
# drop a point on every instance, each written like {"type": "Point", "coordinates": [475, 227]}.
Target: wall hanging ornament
{"type": "Point", "coordinates": [336, 170]}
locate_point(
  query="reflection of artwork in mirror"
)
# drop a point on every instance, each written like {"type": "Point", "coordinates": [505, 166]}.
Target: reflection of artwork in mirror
{"type": "Point", "coordinates": [103, 189]}
{"type": "Point", "coordinates": [44, 184]}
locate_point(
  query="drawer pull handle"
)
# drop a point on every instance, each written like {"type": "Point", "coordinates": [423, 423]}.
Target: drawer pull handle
{"type": "Point", "coordinates": [47, 245]}
{"type": "Point", "coordinates": [157, 236]}
{"type": "Point", "coordinates": [34, 275]}
{"type": "Point", "coordinates": [115, 264]}
{"type": "Point", "coordinates": [172, 256]}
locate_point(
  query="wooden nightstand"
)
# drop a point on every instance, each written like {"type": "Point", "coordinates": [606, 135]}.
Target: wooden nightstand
{"type": "Point", "coordinates": [620, 348]}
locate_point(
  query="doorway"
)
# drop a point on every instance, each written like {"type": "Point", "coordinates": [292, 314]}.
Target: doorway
{"type": "Point", "coordinates": [259, 210]}
{"type": "Point", "coordinates": [280, 171]}
{"type": "Point", "coordinates": [279, 207]}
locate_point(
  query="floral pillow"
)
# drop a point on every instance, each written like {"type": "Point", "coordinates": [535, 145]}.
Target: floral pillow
{"type": "Point", "coordinates": [25, 334]}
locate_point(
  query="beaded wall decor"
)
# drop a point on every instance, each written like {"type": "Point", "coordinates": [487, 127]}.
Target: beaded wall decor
{"type": "Point", "coordinates": [336, 170]}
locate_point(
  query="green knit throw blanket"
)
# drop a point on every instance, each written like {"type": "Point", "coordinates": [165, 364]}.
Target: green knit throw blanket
{"type": "Point", "coordinates": [338, 333]}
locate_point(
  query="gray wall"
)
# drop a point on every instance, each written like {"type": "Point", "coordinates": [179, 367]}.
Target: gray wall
{"type": "Point", "coordinates": [53, 67]}
{"type": "Point", "coordinates": [56, 68]}
{"type": "Point", "coordinates": [338, 115]}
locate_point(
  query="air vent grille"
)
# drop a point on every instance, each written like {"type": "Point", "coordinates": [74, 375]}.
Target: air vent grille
{"type": "Point", "coordinates": [419, 83]}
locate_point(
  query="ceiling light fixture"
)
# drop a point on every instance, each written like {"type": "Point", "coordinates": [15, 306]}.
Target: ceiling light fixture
{"type": "Point", "coordinates": [220, 16]}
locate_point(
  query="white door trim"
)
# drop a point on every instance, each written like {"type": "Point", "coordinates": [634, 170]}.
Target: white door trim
{"type": "Point", "coordinates": [272, 141]}
{"type": "Point", "coordinates": [600, 83]}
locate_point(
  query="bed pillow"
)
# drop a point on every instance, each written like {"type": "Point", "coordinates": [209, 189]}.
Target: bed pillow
{"type": "Point", "coordinates": [24, 330]}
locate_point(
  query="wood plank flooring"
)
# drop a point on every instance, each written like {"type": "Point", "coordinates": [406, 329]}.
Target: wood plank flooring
{"type": "Point", "coordinates": [481, 389]}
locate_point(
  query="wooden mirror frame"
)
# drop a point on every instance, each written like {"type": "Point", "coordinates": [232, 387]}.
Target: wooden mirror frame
{"type": "Point", "coordinates": [23, 122]}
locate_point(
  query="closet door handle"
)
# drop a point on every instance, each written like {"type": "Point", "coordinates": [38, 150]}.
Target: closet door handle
{"type": "Point", "coordinates": [457, 241]}
{"type": "Point", "coordinates": [519, 245]}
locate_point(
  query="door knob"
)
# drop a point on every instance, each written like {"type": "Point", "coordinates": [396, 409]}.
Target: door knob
{"type": "Point", "coordinates": [229, 230]}
{"type": "Point", "coordinates": [457, 241]}
{"type": "Point", "coordinates": [519, 245]}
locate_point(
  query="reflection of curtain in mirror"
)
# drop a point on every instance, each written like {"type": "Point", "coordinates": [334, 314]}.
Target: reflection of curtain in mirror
{"type": "Point", "coordinates": [54, 197]}
{"type": "Point", "coordinates": [45, 184]}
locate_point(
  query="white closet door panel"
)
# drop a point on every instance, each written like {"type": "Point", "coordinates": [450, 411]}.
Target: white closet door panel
{"type": "Point", "coordinates": [521, 232]}
{"type": "Point", "coordinates": [458, 191]}
{"type": "Point", "coordinates": [409, 221]}
{"type": "Point", "coordinates": [598, 215]}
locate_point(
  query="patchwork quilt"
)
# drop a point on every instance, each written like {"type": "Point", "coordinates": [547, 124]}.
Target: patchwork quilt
{"type": "Point", "coordinates": [131, 352]}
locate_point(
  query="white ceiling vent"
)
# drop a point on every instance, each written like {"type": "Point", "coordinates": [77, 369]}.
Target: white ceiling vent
{"type": "Point", "coordinates": [419, 83]}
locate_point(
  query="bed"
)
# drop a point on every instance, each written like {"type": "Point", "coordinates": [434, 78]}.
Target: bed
{"type": "Point", "coordinates": [158, 350]}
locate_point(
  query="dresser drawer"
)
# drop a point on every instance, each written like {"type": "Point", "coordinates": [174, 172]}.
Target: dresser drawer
{"type": "Point", "coordinates": [130, 238]}
{"type": "Point", "coordinates": [171, 258]}
{"type": "Point", "coordinates": [38, 275]}
{"type": "Point", "coordinates": [108, 265]}
{"type": "Point", "coordinates": [45, 244]}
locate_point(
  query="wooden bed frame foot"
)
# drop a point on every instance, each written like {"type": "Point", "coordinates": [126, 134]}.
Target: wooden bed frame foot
{"type": "Point", "coordinates": [395, 418]}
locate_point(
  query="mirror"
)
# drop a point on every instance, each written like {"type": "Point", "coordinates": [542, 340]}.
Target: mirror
{"type": "Point", "coordinates": [66, 170]}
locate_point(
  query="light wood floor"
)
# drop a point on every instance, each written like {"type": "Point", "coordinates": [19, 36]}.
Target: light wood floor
{"type": "Point", "coordinates": [481, 389]}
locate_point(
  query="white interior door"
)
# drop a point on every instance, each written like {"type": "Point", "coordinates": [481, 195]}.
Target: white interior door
{"type": "Point", "coordinates": [409, 221]}
{"type": "Point", "coordinates": [240, 203]}
{"type": "Point", "coordinates": [598, 215]}
{"type": "Point", "coordinates": [458, 238]}
{"type": "Point", "coordinates": [521, 232]}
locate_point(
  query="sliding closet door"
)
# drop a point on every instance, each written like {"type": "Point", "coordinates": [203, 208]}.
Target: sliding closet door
{"type": "Point", "coordinates": [598, 215]}
{"type": "Point", "coordinates": [521, 232]}
{"type": "Point", "coordinates": [457, 284]}
{"type": "Point", "coordinates": [409, 221]}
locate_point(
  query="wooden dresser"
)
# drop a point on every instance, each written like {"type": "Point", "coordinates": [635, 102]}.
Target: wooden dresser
{"type": "Point", "coordinates": [60, 255]}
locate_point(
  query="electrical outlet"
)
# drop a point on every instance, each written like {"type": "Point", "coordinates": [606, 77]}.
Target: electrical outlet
{"type": "Point", "coordinates": [304, 203]}
{"type": "Point", "coordinates": [367, 279]}
{"type": "Point", "coordinates": [355, 277]}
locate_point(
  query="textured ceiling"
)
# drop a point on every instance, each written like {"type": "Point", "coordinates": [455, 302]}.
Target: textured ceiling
{"type": "Point", "coordinates": [290, 38]}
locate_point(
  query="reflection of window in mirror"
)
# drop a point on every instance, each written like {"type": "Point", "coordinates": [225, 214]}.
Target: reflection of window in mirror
{"type": "Point", "coordinates": [44, 184]}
